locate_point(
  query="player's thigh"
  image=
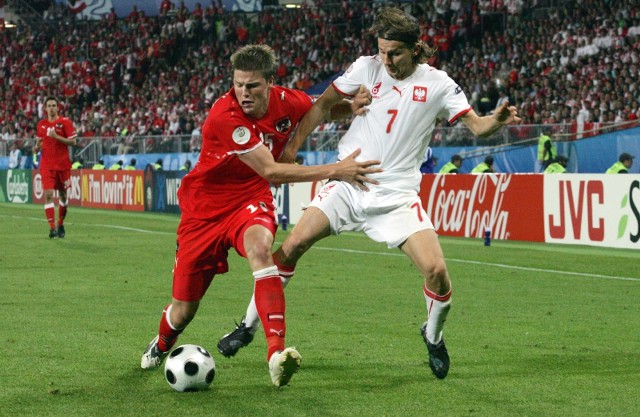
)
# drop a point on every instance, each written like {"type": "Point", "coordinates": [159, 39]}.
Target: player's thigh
{"type": "Point", "coordinates": [394, 218]}
{"type": "Point", "coordinates": [63, 181]}
{"type": "Point", "coordinates": [201, 253]}
{"type": "Point", "coordinates": [342, 205]}
{"type": "Point", "coordinates": [49, 179]}
{"type": "Point", "coordinates": [252, 231]}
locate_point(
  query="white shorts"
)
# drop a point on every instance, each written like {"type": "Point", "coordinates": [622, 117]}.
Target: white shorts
{"type": "Point", "coordinates": [384, 215]}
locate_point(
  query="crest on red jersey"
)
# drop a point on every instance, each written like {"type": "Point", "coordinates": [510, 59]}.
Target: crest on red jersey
{"type": "Point", "coordinates": [420, 94]}
{"type": "Point", "coordinates": [283, 125]}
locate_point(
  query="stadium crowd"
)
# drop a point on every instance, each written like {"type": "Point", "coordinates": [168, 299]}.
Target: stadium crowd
{"type": "Point", "coordinates": [575, 64]}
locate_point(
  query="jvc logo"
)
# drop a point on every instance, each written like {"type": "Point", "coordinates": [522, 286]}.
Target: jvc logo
{"type": "Point", "coordinates": [571, 205]}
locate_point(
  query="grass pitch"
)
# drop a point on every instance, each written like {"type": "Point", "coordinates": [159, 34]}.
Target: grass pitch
{"type": "Point", "coordinates": [535, 329]}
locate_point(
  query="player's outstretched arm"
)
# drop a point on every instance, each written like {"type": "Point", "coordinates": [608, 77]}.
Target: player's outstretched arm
{"type": "Point", "coordinates": [486, 125]}
{"type": "Point", "coordinates": [261, 161]}
{"type": "Point", "coordinates": [316, 114]}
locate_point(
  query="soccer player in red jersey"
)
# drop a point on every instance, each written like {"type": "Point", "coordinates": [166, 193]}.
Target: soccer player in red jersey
{"type": "Point", "coordinates": [55, 134]}
{"type": "Point", "coordinates": [226, 202]}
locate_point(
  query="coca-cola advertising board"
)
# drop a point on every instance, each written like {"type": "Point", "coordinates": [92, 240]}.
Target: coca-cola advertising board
{"type": "Point", "coordinates": [592, 209]}
{"type": "Point", "coordinates": [509, 205]}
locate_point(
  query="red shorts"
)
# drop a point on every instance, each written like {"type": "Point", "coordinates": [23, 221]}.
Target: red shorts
{"type": "Point", "coordinates": [55, 180]}
{"type": "Point", "coordinates": [203, 247]}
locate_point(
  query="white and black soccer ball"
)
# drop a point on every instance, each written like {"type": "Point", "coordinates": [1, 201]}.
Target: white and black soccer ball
{"type": "Point", "coordinates": [189, 368]}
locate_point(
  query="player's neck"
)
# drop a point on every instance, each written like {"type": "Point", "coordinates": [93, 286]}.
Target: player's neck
{"type": "Point", "coordinates": [52, 119]}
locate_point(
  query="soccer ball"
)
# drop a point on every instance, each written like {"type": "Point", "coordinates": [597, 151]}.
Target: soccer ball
{"type": "Point", "coordinates": [189, 368]}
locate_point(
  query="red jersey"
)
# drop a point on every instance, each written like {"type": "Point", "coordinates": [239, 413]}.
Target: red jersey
{"type": "Point", "coordinates": [220, 183]}
{"type": "Point", "coordinates": [55, 154]}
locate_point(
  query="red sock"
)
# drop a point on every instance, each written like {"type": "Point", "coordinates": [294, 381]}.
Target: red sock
{"type": "Point", "coordinates": [168, 334]}
{"type": "Point", "coordinates": [50, 213]}
{"type": "Point", "coordinates": [62, 212]}
{"type": "Point", "coordinates": [270, 304]}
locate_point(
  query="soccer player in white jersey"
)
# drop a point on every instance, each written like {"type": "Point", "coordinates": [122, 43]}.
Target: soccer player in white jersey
{"type": "Point", "coordinates": [407, 97]}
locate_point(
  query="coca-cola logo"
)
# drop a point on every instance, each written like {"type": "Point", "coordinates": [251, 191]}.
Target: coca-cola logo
{"type": "Point", "coordinates": [470, 210]}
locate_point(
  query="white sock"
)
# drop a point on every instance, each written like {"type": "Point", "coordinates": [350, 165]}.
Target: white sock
{"type": "Point", "coordinates": [437, 309]}
{"type": "Point", "coordinates": [251, 318]}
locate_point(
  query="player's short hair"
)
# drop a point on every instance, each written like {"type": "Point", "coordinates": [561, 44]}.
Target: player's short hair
{"type": "Point", "coordinates": [54, 98]}
{"type": "Point", "coordinates": [395, 25]}
{"type": "Point", "coordinates": [488, 160]}
{"type": "Point", "coordinates": [255, 58]}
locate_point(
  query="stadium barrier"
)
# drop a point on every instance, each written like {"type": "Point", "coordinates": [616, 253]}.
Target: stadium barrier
{"type": "Point", "coordinates": [586, 209]}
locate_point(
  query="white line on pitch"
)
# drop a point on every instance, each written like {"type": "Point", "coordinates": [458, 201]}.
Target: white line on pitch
{"type": "Point", "coordinates": [465, 261]}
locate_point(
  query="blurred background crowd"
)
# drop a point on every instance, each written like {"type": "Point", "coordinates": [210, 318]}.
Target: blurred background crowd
{"type": "Point", "coordinates": [562, 63]}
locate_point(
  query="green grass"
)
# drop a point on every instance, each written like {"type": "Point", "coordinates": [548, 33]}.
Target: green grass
{"type": "Point", "coordinates": [535, 329]}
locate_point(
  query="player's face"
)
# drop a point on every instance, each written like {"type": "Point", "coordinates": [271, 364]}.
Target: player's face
{"type": "Point", "coordinates": [397, 58]}
{"type": "Point", "coordinates": [252, 91]}
{"type": "Point", "coordinates": [51, 107]}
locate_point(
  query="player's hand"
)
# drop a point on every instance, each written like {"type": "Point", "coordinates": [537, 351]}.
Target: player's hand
{"type": "Point", "coordinates": [51, 132]}
{"type": "Point", "coordinates": [507, 115]}
{"type": "Point", "coordinates": [360, 101]}
{"type": "Point", "coordinates": [354, 172]}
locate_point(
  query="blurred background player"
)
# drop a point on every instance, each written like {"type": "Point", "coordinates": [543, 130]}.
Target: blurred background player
{"type": "Point", "coordinates": [226, 202]}
{"type": "Point", "coordinates": [395, 128]}
{"type": "Point", "coordinates": [55, 134]}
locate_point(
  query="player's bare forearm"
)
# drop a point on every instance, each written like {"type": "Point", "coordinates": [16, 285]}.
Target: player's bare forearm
{"type": "Point", "coordinates": [261, 161]}
{"type": "Point", "coordinates": [487, 125]}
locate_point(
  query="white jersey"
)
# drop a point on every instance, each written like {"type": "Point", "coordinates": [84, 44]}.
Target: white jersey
{"type": "Point", "coordinates": [398, 126]}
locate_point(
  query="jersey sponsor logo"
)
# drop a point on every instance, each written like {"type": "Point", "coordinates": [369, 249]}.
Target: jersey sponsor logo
{"type": "Point", "coordinates": [376, 89]}
{"type": "Point", "coordinates": [458, 90]}
{"type": "Point", "coordinates": [283, 125]}
{"type": "Point", "coordinates": [241, 135]}
{"type": "Point", "coordinates": [419, 94]}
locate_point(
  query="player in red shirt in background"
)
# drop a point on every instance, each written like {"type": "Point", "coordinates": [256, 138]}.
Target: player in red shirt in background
{"type": "Point", "coordinates": [55, 134]}
{"type": "Point", "coordinates": [226, 202]}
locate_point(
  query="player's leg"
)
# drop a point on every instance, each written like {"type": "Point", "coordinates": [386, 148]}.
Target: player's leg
{"type": "Point", "coordinates": [62, 209]}
{"type": "Point", "coordinates": [198, 259]}
{"type": "Point", "coordinates": [313, 226]}
{"type": "Point", "coordinates": [270, 302]}
{"type": "Point", "coordinates": [50, 212]}
{"type": "Point", "coordinates": [426, 254]}
{"type": "Point", "coordinates": [48, 185]}
{"type": "Point", "coordinates": [400, 221]}
{"type": "Point", "coordinates": [175, 318]}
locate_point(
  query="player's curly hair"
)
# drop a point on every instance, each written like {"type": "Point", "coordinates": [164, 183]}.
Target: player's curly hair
{"type": "Point", "coordinates": [255, 58]}
{"type": "Point", "coordinates": [395, 25]}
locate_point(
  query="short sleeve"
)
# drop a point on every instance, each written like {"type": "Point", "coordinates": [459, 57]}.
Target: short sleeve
{"type": "Point", "coordinates": [357, 74]}
{"type": "Point", "coordinates": [455, 101]}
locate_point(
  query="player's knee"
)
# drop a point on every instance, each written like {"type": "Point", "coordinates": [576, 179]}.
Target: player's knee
{"type": "Point", "coordinates": [182, 313]}
{"type": "Point", "coordinates": [437, 277]}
